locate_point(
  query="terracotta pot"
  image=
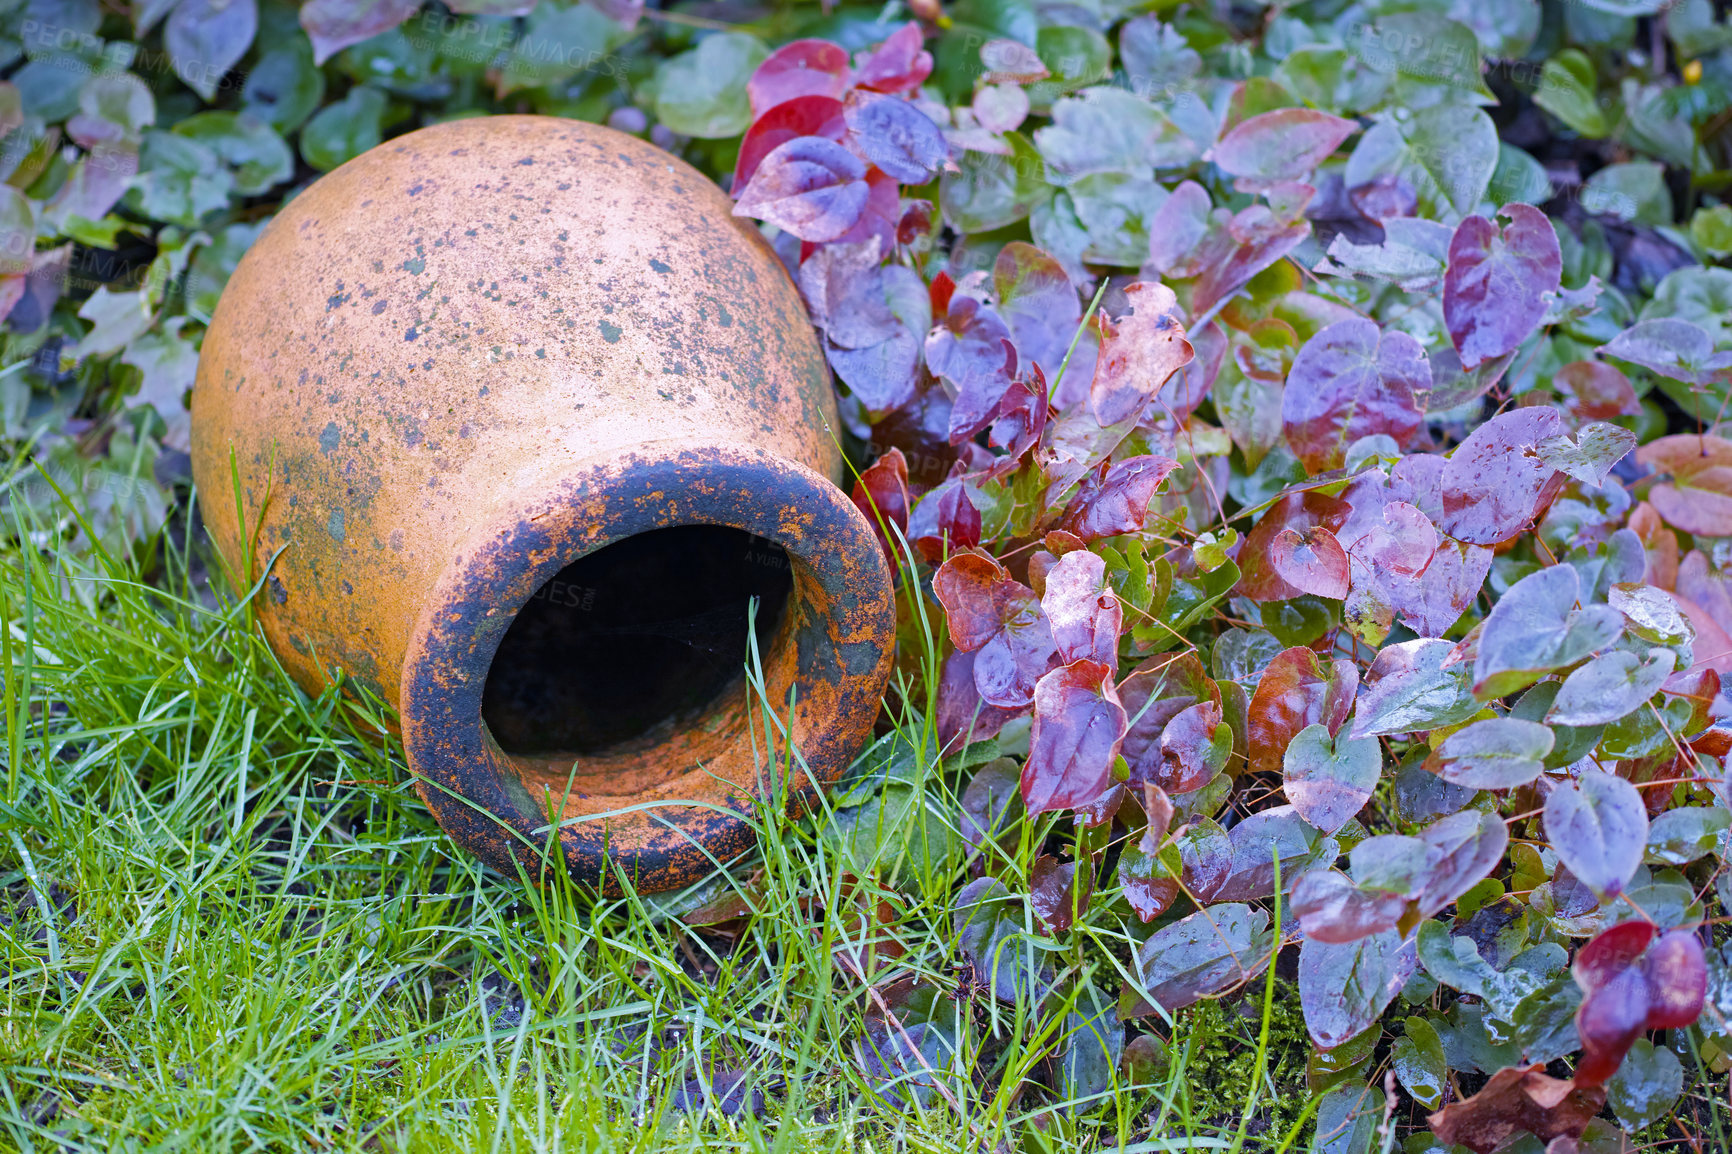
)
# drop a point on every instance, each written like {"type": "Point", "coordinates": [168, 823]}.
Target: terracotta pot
{"type": "Point", "coordinates": [522, 419]}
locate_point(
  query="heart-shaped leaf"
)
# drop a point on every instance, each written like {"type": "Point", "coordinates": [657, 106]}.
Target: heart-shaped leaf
{"type": "Point", "coordinates": [1078, 725]}
{"type": "Point", "coordinates": [1599, 828]}
{"type": "Point", "coordinates": [1349, 381]}
{"type": "Point", "coordinates": [1610, 686]}
{"type": "Point", "coordinates": [1494, 293]}
{"type": "Point", "coordinates": [1501, 753]}
{"type": "Point", "coordinates": [1294, 692]}
{"type": "Point", "coordinates": [1328, 780]}
{"type": "Point", "coordinates": [1536, 628]}
{"type": "Point", "coordinates": [1407, 689]}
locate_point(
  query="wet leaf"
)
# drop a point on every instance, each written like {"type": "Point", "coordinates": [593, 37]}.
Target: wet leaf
{"type": "Point", "coordinates": [1610, 686]}
{"type": "Point", "coordinates": [1300, 512]}
{"type": "Point", "coordinates": [1646, 1087]}
{"type": "Point", "coordinates": [1494, 293]}
{"type": "Point", "coordinates": [1515, 1100]}
{"type": "Point", "coordinates": [1093, 1044]}
{"type": "Point", "coordinates": [1078, 725]}
{"type": "Point", "coordinates": [1329, 780]}
{"type": "Point", "coordinates": [789, 120]}
{"type": "Point", "coordinates": [1591, 455]}
{"type": "Point", "coordinates": [811, 187]}
{"type": "Point", "coordinates": [1680, 836]}
{"type": "Point", "coordinates": [1344, 987]}
{"type": "Point", "coordinates": [1206, 953]}
{"type": "Point", "coordinates": [1347, 1119]}
{"type": "Point", "coordinates": [899, 64]}
{"type": "Point", "coordinates": [1115, 498]}
{"type": "Point", "coordinates": [1500, 753]}
{"type": "Point", "coordinates": [1331, 908]}
{"type": "Point", "coordinates": [1349, 381]}
{"type": "Point", "coordinates": [1495, 483]}
{"type": "Point", "coordinates": [992, 804]}
{"type": "Point", "coordinates": [1059, 892]}
{"type": "Point", "coordinates": [1599, 828]}
{"type": "Point", "coordinates": [1672, 348]}
{"type": "Point", "coordinates": [999, 620]}
{"type": "Point", "coordinates": [1267, 835]}
{"type": "Point", "coordinates": [1083, 610]}
{"type": "Point", "coordinates": [1195, 746]}
{"type": "Point", "coordinates": [1297, 691]}
{"type": "Point", "coordinates": [703, 93]}
{"type": "Point", "coordinates": [1634, 983]}
{"type": "Point", "coordinates": [1285, 144]}
{"type": "Point", "coordinates": [1407, 689]}
{"type": "Point", "coordinates": [1417, 1058]}
{"type": "Point", "coordinates": [1536, 628]}
{"type": "Point", "coordinates": [1138, 354]}
{"type": "Point", "coordinates": [1462, 848]}
{"type": "Point", "coordinates": [1595, 391]}
{"type": "Point", "coordinates": [1312, 562]}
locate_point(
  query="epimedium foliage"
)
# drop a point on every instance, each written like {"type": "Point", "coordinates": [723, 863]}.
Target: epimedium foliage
{"type": "Point", "coordinates": [1309, 610]}
{"type": "Point", "coordinates": [1327, 548]}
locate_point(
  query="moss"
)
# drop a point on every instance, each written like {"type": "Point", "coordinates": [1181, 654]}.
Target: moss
{"type": "Point", "coordinates": [1221, 1038]}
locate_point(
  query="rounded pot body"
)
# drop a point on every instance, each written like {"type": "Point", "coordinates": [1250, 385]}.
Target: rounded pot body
{"type": "Point", "coordinates": [518, 427]}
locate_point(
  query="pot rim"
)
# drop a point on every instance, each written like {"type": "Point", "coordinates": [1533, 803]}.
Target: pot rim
{"type": "Point", "coordinates": [828, 662]}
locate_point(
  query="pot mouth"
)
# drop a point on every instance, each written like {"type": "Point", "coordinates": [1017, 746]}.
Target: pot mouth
{"type": "Point", "coordinates": [582, 663]}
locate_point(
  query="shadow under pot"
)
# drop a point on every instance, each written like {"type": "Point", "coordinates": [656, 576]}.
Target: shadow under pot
{"type": "Point", "coordinates": [515, 426]}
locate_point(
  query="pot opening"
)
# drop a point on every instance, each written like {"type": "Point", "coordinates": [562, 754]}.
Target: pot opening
{"type": "Point", "coordinates": [633, 639]}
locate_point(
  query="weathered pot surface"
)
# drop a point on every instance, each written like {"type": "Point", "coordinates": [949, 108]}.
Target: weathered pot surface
{"type": "Point", "coordinates": [522, 418]}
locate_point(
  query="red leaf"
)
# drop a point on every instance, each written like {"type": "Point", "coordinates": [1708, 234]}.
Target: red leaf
{"type": "Point", "coordinates": [1698, 499]}
{"type": "Point", "coordinates": [1083, 609]}
{"type": "Point", "coordinates": [1058, 892]}
{"type": "Point", "coordinates": [1115, 498]}
{"type": "Point", "coordinates": [897, 65]}
{"type": "Point", "coordinates": [895, 135]}
{"type": "Point", "coordinates": [1155, 693]}
{"type": "Point", "coordinates": [1312, 562]}
{"type": "Point", "coordinates": [1078, 725]}
{"type": "Point", "coordinates": [958, 519]}
{"type": "Point", "coordinates": [1494, 292]}
{"type": "Point", "coordinates": [1195, 746]}
{"type": "Point", "coordinates": [963, 717]}
{"type": "Point", "coordinates": [1281, 145]}
{"type": "Point", "coordinates": [1516, 1100]}
{"type": "Point", "coordinates": [1138, 354]}
{"type": "Point", "coordinates": [1634, 984]}
{"type": "Point", "coordinates": [1495, 483]}
{"type": "Point", "coordinates": [1349, 381]}
{"type": "Point", "coordinates": [799, 68]}
{"type": "Point", "coordinates": [801, 116]}
{"type": "Point", "coordinates": [1020, 421]}
{"type": "Point", "coordinates": [809, 186]}
{"type": "Point", "coordinates": [1330, 908]}
{"type": "Point", "coordinates": [1002, 620]}
{"type": "Point", "coordinates": [1301, 512]}
{"type": "Point", "coordinates": [882, 494]}
{"type": "Point", "coordinates": [1595, 391]}
{"type": "Point", "coordinates": [1296, 691]}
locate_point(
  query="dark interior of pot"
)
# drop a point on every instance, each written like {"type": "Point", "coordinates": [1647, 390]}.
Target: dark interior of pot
{"type": "Point", "coordinates": [628, 642]}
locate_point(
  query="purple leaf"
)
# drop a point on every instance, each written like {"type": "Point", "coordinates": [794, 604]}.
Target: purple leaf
{"type": "Point", "coordinates": [1078, 725]}
{"type": "Point", "coordinates": [809, 186]}
{"type": "Point", "coordinates": [333, 25]}
{"type": "Point", "coordinates": [1344, 988]}
{"type": "Point", "coordinates": [1494, 293]}
{"type": "Point", "coordinates": [895, 135]}
{"type": "Point", "coordinates": [1599, 828]}
{"type": "Point", "coordinates": [1495, 483]}
{"type": "Point", "coordinates": [1349, 381]}
{"type": "Point", "coordinates": [1499, 753]}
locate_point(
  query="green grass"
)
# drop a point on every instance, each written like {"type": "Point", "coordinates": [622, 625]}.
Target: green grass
{"type": "Point", "coordinates": [227, 922]}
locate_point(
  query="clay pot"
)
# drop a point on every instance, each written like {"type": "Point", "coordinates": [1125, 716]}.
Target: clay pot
{"type": "Point", "coordinates": [523, 419]}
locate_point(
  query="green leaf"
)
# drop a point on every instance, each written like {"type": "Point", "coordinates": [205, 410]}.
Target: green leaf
{"type": "Point", "coordinates": [1680, 836]}
{"type": "Point", "coordinates": [1332, 79]}
{"type": "Point", "coordinates": [1408, 688]}
{"type": "Point", "coordinates": [1536, 628]}
{"type": "Point", "coordinates": [988, 192]}
{"type": "Point", "coordinates": [284, 88]}
{"type": "Point", "coordinates": [206, 38]}
{"type": "Point", "coordinates": [702, 92]}
{"type": "Point", "coordinates": [558, 41]}
{"type": "Point", "coordinates": [1075, 56]}
{"type": "Point", "coordinates": [180, 181]}
{"type": "Point", "coordinates": [1632, 191]}
{"type": "Point", "coordinates": [1569, 90]}
{"type": "Point", "coordinates": [1647, 1086]}
{"type": "Point", "coordinates": [342, 131]}
{"type": "Point", "coordinates": [1711, 230]}
{"type": "Point", "coordinates": [1417, 1057]}
{"type": "Point", "coordinates": [1110, 130]}
{"type": "Point", "coordinates": [1432, 57]}
{"type": "Point", "coordinates": [1347, 1120]}
{"type": "Point", "coordinates": [259, 157]}
{"type": "Point", "coordinates": [1447, 152]}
